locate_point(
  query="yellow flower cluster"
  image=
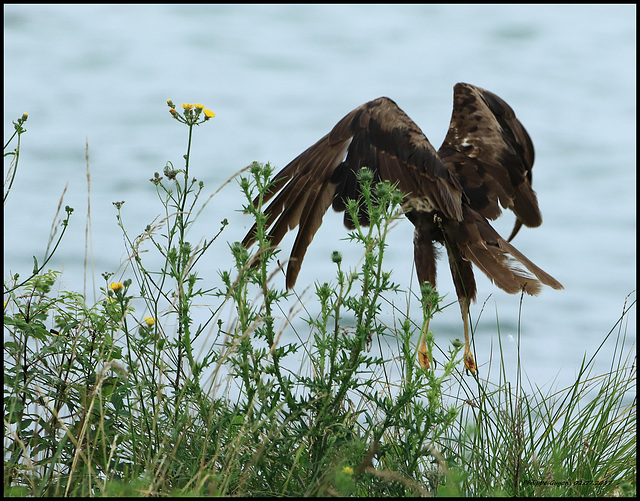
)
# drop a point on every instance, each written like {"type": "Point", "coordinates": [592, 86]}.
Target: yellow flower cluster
{"type": "Point", "coordinates": [116, 286]}
{"type": "Point", "coordinates": [191, 113]}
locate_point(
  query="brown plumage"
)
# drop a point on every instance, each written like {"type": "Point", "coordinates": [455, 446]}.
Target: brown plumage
{"type": "Point", "coordinates": [483, 166]}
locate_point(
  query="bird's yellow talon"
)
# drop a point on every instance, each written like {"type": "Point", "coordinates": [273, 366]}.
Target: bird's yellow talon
{"type": "Point", "coordinates": [470, 363]}
{"type": "Point", "coordinates": [423, 355]}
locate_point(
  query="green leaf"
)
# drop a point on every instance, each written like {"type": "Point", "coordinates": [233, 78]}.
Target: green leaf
{"type": "Point", "coordinates": [13, 407]}
{"type": "Point", "coordinates": [25, 424]}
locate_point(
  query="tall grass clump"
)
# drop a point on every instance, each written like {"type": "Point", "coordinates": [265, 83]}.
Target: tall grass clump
{"type": "Point", "coordinates": [574, 441]}
{"type": "Point", "coordinates": [177, 382]}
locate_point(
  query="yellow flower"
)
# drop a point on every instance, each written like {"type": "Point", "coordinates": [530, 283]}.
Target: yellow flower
{"type": "Point", "coordinates": [348, 470]}
{"type": "Point", "coordinates": [209, 113]}
{"type": "Point", "coordinates": [116, 286]}
{"type": "Point", "coordinates": [150, 321]}
{"type": "Point", "coordinates": [199, 107]}
{"type": "Point", "coordinates": [187, 106]}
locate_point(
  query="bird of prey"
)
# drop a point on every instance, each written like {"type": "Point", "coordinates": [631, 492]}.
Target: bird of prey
{"type": "Point", "coordinates": [483, 166]}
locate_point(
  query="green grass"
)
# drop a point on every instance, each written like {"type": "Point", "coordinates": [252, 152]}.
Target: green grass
{"type": "Point", "coordinates": [102, 400]}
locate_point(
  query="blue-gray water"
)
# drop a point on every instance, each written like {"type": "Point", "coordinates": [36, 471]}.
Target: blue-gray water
{"type": "Point", "coordinates": [278, 78]}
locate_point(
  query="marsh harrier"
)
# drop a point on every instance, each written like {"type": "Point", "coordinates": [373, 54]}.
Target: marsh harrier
{"type": "Point", "coordinates": [483, 166]}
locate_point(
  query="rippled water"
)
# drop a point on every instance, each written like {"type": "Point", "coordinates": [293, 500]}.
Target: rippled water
{"type": "Point", "coordinates": [278, 78]}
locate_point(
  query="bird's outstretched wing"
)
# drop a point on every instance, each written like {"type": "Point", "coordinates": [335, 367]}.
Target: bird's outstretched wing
{"type": "Point", "coordinates": [484, 164]}
{"type": "Point", "coordinates": [377, 135]}
{"type": "Point", "coordinates": [492, 155]}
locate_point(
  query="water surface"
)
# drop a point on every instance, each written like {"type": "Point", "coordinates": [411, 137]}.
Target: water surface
{"type": "Point", "coordinates": [278, 78]}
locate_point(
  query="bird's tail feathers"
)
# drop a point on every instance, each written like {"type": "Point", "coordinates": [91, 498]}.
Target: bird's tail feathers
{"type": "Point", "coordinates": [500, 261]}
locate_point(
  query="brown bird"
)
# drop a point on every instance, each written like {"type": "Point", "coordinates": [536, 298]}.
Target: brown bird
{"type": "Point", "coordinates": [483, 166]}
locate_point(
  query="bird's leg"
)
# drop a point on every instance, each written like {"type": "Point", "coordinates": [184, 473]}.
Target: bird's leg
{"type": "Point", "coordinates": [469, 362]}
{"type": "Point", "coordinates": [424, 357]}
{"type": "Point", "coordinates": [429, 298]}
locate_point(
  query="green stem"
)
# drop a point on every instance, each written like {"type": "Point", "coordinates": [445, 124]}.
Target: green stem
{"type": "Point", "coordinates": [15, 165]}
{"type": "Point", "coordinates": [183, 324]}
{"type": "Point", "coordinates": [65, 225]}
{"type": "Point", "coordinates": [134, 371]}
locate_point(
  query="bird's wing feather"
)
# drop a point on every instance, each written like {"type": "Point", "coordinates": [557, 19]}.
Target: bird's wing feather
{"type": "Point", "coordinates": [377, 135]}
{"type": "Point", "coordinates": [492, 155]}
